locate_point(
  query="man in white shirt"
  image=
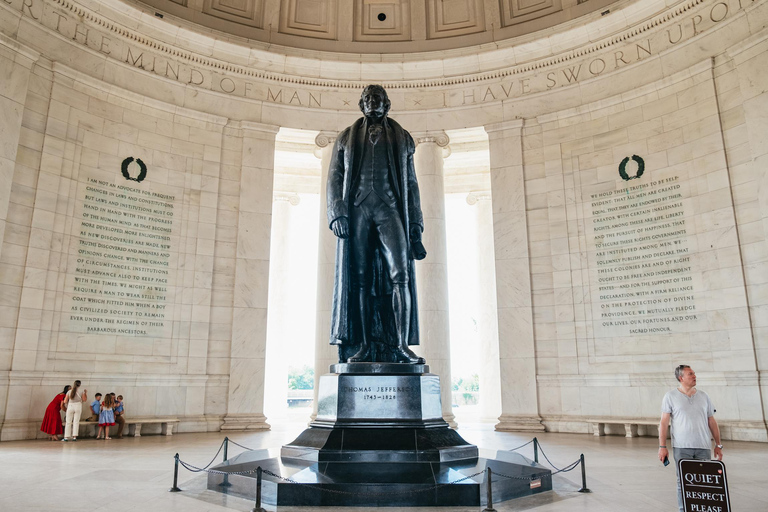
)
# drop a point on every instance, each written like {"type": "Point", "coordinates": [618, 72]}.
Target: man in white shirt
{"type": "Point", "coordinates": [693, 423]}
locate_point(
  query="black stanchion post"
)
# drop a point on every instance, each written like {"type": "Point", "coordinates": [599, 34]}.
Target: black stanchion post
{"type": "Point", "coordinates": [175, 487]}
{"type": "Point", "coordinates": [225, 483]}
{"type": "Point", "coordinates": [535, 450]}
{"type": "Point", "coordinates": [584, 487]}
{"type": "Point", "coordinates": [489, 506]}
{"type": "Point", "coordinates": [257, 506]}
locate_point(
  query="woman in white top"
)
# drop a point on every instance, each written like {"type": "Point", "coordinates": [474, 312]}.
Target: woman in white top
{"type": "Point", "coordinates": [74, 405]}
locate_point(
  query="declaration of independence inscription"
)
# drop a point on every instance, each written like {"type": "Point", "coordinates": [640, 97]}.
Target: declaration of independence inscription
{"type": "Point", "coordinates": [125, 252]}
{"type": "Point", "coordinates": [640, 259]}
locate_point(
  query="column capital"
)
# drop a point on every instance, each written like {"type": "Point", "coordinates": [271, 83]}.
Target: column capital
{"type": "Point", "coordinates": [512, 124]}
{"type": "Point", "coordinates": [326, 138]}
{"type": "Point", "coordinates": [476, 196]}
{"type": "Point", "coordinates": [438, 137]}
{"type": "Point", "coordinates": [291, 198]}
{"type": "Point", "coordinates": [324, 141]}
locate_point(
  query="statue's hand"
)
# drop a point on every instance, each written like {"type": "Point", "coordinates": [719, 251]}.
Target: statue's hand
{"type": "Point", "coordinates": [415, 233]}
{"type": "Point", "coordinates": [418, 252]}
{"type": "Point", "coordinates": [340, 227]}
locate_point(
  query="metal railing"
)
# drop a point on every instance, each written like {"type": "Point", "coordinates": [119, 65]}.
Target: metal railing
{"type": "Point", "coordinates": [259, 471]}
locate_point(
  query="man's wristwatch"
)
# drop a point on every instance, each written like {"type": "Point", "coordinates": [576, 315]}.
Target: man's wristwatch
{"type": "Point", "coordinates": [662, 446]}
{"type": "Point", "coordinates": [719, 446]}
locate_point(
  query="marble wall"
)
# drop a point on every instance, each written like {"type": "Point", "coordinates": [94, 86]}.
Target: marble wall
{"type": "Point", "coordinates": [743, 105]}
{"type": "Point", "coordinates": [605, 277]}
{"type": "Point", "coordinates": [71, 302]}
{"type": "Point", "coordinates": [629, 277]}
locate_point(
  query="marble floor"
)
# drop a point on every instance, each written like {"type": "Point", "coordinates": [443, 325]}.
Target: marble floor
{"type": "Point", "coordinates": [134, 474]}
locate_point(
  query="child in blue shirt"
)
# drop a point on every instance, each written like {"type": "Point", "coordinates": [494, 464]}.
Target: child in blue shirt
{"type": "Point", "coordinates": [95, 408]}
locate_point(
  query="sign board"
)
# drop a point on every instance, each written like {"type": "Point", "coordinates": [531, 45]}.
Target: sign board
{"type": "Point", "coordinates": [705, 488]}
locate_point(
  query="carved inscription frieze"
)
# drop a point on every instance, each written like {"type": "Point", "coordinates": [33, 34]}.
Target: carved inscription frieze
{"type": "Point", "coordinates": [510, 81]}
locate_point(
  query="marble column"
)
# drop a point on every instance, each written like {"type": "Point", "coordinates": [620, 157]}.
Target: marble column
{"type": "Point", "coordinates": [517, 354]}
{"type": "Point", "coordinates": [432, 272]}
{"type": "Point", "coordinates": [22, 295]}
{"type": "Point", "coordinates": [16, 64]}
{"type": "Point", "coordinates": [325, 353]}
{"type": "Point", "coordinates": [487, 325]}
{"type": "Point", "coordinates": [245, 404]}
{"type": "Point", "coordinates": [280, 313]}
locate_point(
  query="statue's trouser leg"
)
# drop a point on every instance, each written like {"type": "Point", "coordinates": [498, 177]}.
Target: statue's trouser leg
{"type": "Point", "coordinates": [364, 353]}
{"type": "Point", "coordinates": [394, 247]}
{"type": "Point", "coordinates": [362, 302]}
{"type": "Point", "coordinates": [360, 227]}
{"type": "Point", "coordinates": [401, 307]}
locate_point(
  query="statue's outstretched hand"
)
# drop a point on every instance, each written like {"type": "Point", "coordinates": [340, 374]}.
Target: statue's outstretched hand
{"type": "Point", "coordinates": [340, 227]}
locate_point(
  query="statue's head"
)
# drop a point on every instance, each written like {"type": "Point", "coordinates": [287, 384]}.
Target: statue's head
{"type": "Point", "coordinates": [374, 101]}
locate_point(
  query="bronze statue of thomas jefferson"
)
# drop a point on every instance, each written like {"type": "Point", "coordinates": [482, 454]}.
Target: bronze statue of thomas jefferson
{"type": "Point", "coordinates": [375, 211]}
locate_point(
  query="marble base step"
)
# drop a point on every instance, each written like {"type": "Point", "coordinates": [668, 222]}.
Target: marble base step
{"type": "Point", "coordinates": [379, 440]}
{"type": "Point", "coordinates": [378, 445]}
{"type": "Point", "coordinates": [384, 484]}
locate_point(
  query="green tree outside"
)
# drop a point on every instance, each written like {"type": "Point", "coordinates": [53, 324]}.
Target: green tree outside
{"type": "Point", "coordinates": [301, 378]}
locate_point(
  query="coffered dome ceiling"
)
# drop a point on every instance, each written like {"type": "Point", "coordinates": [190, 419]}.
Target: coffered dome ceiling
{"type": "Point", "coordinates": [378, 26]}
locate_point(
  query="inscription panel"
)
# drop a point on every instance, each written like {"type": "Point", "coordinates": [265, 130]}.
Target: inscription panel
{"type": "Point", "coordinates": [640, 259]}
{"type": "Point", "coordinates": [124, 254]}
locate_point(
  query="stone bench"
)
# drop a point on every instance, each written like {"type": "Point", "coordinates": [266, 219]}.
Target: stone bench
{"type": "Point", "coordinates": [166, 425]}
{"type": "Point", "coordinates": [134, 425]}
{"type": "Point", "coordinates": [633, 427]}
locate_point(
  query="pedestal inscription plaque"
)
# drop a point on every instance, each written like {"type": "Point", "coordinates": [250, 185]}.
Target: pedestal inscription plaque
{"type": "Point", "coordinates": [353, 399]}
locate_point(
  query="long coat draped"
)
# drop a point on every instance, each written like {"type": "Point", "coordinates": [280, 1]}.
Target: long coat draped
{"type": "Point", "coordinates": [342, 174]}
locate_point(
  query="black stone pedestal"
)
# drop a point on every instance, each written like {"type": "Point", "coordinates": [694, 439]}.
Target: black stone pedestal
{"type": "Point", "coordinates": [378, 445]}
{"type": "Point", "coordinates": [379, 439]}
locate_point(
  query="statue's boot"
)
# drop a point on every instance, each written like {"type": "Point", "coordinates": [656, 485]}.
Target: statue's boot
{"type": "Point", "coordinates": [406, 355]}
{"type": "Point", "coordinates": [412, 357]}
{"type": "Point", "coordinates": [364, 354]}
{"type": "Point", "coordinates": [401, 307]}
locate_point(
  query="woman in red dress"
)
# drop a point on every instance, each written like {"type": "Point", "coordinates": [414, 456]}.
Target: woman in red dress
{"type": "Point", "coordinates": [52, 419]}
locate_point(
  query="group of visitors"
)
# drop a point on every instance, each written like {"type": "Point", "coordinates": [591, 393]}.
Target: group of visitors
{"type": "Point", "coordinates": [107, 412]}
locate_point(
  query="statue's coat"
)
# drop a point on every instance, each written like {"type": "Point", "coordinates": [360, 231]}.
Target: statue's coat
{"type": "Point", "coordinates": [344, 166]}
